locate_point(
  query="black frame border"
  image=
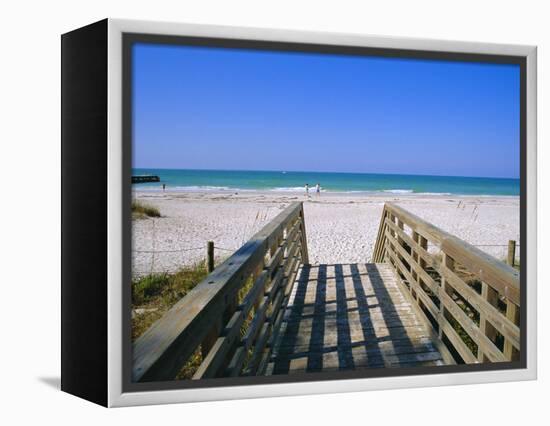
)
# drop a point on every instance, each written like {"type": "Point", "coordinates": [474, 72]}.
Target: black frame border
{"type": "Point", "coordinates": [129, 39]}
{"type": "Point", "coordinates": [84, 234]}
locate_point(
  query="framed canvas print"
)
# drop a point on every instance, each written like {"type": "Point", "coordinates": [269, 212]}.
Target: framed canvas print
{"type": "Point", "coordinates": [252, 212]}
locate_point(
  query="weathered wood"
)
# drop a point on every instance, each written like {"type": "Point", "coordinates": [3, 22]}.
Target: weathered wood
{"type": "Point", "coordinates": [504, 326]}
{"type": "Point", "coordinates": [260, 328]}
{"type": "Point", "coordinates": [163, 349]}
{"type": "Point", "coordinates": [254, 294]}
{"type": "Point", "coordinates": [297, 317]}
{"type": "Point", "coordinates": [419, 247]}
{"type": "Point", "coordinates": [485, 326]}
{"type": "Point", "coordinates": [209, 256]}
{"type": "Point", "coordinates": [211, 337]}
{"type": "Point", "coordinates": [277, 314]}
{"type": "Point", "coordinates": [457, 342]}
{"type": "Point", "coordinates": [486, 345]}
{"type": "Point", "coordinates": [503, 278]}
{"type": "Point", "coordinates": [415, 265]}
{"type": "Point", "coordinates": [351, 330]}
{"type": "Point", "coordinates": [305, 254]}
{"type": "Point", "coordinates": [379, 250]}
{"type": "Point", "coordinates": [213, 361]}
{"type": "Point", "coordinates": [510, 348]}
{"type": "Point", "coordinates": [215, 356]}
{"type": "Point", "coordinates": [421, 294]}
{"type": "Point", "coordinates": [498, 275]}
{"type": "Point", "coordinates": [511, 258]}
{"type": "Point", "coordinates": [258, 349]}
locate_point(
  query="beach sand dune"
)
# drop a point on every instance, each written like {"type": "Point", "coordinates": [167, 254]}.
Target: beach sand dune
{"type": "Point", "coordinates": [341, 228]}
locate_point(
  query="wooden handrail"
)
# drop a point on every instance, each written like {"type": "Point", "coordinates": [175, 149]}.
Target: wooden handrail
{"type": "Point", "coordinates": [471, 299]}
{"type": "Point", "coordinates": [234, 331]}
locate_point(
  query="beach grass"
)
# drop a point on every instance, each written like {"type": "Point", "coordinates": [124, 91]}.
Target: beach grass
{"type": "Point", "coordinates": [142, 211]}
{"type": "Point", "coordinates": [154, 294]}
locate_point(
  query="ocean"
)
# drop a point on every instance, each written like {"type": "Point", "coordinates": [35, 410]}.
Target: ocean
{"type": "Point", "coordinates": [289, 181]}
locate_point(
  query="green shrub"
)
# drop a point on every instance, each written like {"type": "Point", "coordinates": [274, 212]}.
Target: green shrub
{"type": "Point", "coordinates": [157, 293]}
{"type": "Point", "coordinates": [148, 287]}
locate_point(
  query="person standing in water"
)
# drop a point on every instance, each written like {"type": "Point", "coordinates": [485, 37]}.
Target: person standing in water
{"type": "Point", "coordinates": [307, 190]}
{"type": "Point", "coordinates": [163, 187]}
{"type": "Point", "coordinates": [318, 189]}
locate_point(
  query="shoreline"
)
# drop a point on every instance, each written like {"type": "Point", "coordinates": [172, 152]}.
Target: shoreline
{"type": "Point", "coordinates": [327, 193]}
{"type": "Point", "coordinates": [340, 227]}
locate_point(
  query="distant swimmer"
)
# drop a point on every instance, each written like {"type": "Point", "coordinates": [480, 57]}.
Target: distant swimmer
{"type": "Point", "coordinates": [318, 189]}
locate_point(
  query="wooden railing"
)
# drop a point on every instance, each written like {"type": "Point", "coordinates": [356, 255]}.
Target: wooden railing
{"type": "Point", "coordinates": [231, 319]}
{"type": "Point", "coordinates": [471, 299]}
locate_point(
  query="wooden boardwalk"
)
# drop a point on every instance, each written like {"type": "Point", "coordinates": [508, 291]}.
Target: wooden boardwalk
{"type": "Point", "coordinates": [350, 316]}
{"type": "Point", "coordinates": [427, 299]}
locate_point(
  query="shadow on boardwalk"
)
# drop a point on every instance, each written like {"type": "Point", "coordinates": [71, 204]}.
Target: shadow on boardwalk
{"type": "Point", "coordinates": [350, 316]}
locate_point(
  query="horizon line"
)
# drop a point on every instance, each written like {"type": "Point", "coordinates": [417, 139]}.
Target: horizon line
{"type": "Point", "coordinates": [324, 171]}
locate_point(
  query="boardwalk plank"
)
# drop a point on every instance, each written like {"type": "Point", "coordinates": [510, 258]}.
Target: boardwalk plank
{"type": "Point", "coordinates": [351, 316]}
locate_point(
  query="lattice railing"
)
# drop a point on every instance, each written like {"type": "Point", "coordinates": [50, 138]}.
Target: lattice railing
{"type": "Point", "coordinates": [230, 320]}
{"type": "Point", "coordinates": [471, 299]}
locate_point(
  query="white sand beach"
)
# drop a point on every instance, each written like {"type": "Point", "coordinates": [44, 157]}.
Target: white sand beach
{"type": "Point", "coordinates": [340, 227]}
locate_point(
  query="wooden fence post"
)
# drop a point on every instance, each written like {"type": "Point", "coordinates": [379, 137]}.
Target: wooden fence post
{"type": "Point", "coordinates": [210, 256]}
{"type": "Point", "coordinates": [511, 253]}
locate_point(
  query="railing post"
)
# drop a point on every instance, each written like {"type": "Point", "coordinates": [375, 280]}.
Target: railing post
{"type": "Point", "coordinates": [511, 253]}
{"type": "Point", "coordinates": [210, 338]}
{"type": "Point", "coordinates": [489, 294]}
{"type": "Point", "coordinates": [303, 250]}
{"type": "Point", "coordinates": [424, 245]}
{"type": "Point", "coordinates": [415, 256]}
{"type": "Point", "coordinates": [378, 252]}
{"type": "Point", "coordinates": [449, 263]}
{"type": "Point", "coordinates": [512, 313]}
{"type": "Point", "coordinates": [209, 256]}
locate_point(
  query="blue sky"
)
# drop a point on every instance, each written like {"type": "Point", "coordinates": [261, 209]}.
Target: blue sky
{"type": "Point", "coordinates": [236, 109]}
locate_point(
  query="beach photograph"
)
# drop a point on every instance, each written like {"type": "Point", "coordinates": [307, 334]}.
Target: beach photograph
{"type": "Point", "coordinates": [305, 213]}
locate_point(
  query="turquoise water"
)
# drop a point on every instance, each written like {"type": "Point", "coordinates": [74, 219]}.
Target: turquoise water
{"type": "Point", "coordinates": [330, 182]}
